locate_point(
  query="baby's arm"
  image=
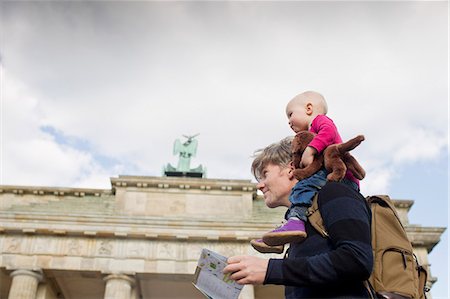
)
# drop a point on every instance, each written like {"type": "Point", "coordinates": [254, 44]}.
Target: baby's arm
{"type": "Point", "coordinates": [326, 133]}
{"type": "Point", "coordinates": [308, 156]}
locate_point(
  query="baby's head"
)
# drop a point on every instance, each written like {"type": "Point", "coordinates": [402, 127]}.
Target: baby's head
{"type": "Point", "coordinates": [303, 108]}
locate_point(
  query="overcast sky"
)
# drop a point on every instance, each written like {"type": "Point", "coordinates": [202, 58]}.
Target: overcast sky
{"type": "Point", "coordinates": [93, 90]}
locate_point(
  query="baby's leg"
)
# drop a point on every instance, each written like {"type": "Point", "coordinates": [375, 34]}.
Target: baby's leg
{"type": "Point", "coordinates": [301, 198]}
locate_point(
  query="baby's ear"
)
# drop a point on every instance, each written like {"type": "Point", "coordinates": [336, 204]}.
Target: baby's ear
{"type": "Point", "coordinates": [309, 108]}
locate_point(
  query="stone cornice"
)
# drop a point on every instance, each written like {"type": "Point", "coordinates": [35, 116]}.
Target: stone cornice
{"type": "Point", "coordinates": [183, 183]}
{"type": "Point", "coordinates": [427, 237]}
{"type": "Point", "coordinates": [138, 182]}
{"type": "Point", "coordinates": [56, 191]}
{"type": "Point", "coordinates": [126, 227]}
{"type": "Point", "coordinates": [403, 203]}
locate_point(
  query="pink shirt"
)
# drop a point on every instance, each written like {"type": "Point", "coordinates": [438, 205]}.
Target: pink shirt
{"type": "Point", "coordinates": [327, 134]}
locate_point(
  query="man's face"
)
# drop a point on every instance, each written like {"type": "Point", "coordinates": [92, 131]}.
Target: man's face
{"type": "Point", "coordinates": [276, 184]}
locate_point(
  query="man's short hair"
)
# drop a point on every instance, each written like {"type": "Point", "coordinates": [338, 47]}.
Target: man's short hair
{"type": "Point", "coordinates": [278, 153]}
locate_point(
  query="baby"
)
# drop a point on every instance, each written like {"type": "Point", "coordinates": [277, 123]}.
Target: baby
{"type": "Point", "coordinates": [306, 111]}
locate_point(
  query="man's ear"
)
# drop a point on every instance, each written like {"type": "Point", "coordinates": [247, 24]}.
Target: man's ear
{"type": "Point", "coordinates": [291, 165]}
{"type": "Point", "coordinates": [291, 171]}
{"type": "Point", "coordinates": [309, 108]}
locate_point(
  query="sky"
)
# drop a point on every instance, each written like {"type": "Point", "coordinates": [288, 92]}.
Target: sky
{"type": "Point", "coordinates": [92, 90]}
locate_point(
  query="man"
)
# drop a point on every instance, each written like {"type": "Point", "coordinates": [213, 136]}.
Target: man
{"type": "Point", "coordinates": [333, 267]}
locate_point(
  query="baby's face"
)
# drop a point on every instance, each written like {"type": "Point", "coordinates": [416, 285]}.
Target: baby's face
{"type": "Point", "coordinates": [297, 117]}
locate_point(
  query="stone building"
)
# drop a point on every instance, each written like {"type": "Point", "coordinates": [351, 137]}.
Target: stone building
{"type": "Point", "coordinates": [140, 239]}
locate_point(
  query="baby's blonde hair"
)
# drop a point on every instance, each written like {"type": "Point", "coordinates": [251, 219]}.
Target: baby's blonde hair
{"type": "Point", "coordinates": [315, 98]}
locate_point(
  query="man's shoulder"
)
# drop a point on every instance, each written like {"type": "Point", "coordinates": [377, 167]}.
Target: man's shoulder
{"type": "Point", "coordinates": [337, 191]}
{"type": "Point", "coordinates": [337, 201]}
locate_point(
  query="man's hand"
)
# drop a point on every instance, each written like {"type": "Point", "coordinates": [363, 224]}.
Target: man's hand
{"type": "Point", "coordinates": [308, 156]}
{"type": "Point", "coordinates": [247, 269]}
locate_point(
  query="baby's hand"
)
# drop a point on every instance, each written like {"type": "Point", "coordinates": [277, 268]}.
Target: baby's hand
{"type": "Point", "coordinates": [308, 156]}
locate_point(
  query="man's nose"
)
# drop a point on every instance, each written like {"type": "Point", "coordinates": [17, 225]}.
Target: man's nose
{"type": "Point", "coordinates": [260, 186]}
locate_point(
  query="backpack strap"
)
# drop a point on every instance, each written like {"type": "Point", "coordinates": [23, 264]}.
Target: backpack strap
{"type": "Point", "coordinates": [423, 277]}
{"type": "Point", "coordinates": [370, 290]}
{"type": "Point", "coordinates": [315, 218]}
{"type": "Point", "coordinates": [385, 201]}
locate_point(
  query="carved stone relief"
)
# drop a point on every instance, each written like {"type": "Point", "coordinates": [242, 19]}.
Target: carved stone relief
{"type": "Point", "coordinates": [74, 247]}
{"type": "Point", "coordinates": [12, 244]}
{"type": "Point", "coordinates": [105, 247]}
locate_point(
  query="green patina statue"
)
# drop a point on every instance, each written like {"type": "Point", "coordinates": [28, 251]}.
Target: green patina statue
{"type": "Point", "coordinates": [186, 151]}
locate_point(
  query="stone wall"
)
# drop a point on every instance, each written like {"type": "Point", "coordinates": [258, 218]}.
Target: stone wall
{"type": "Point", "coordinates": [140, 239]}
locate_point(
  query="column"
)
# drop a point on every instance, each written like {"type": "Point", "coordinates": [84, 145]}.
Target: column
{"type": "Point", "coordinates": [24, 284]}
{"type": "Point", "coordinates": [118, 286]}
{"type": "Point", "coordinates": [134, 293]}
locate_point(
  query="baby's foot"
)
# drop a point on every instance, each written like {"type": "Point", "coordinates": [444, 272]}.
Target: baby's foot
{"type": "Point", "coordinates": [262, 247]}
{"type": "Point", "coordinates": [292, 231]}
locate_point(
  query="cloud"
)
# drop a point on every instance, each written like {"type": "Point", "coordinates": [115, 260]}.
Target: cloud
{"type": "Point", "coordinates": [425, 145]}
{"type": "Point", "coordinates": [32, 156]}
{"type": "Point", "coordinates": [378, 180]}
{"type": "Point", "coordinates": [125, 81]}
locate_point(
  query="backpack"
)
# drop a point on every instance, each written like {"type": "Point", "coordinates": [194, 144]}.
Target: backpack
{"type": "Point", "coordinates": [396, 272]}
